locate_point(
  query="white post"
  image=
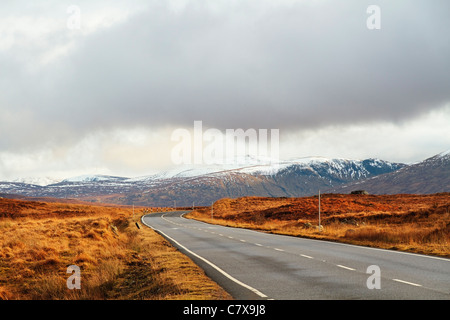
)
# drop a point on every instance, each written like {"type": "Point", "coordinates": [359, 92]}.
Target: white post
{"type": "Point", "coordinates": [319, 210]}
{"type": "Point", "coordinates": [212, 210]}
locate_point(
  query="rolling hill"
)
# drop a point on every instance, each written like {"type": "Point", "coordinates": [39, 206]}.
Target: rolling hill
{"type": "Point", "coordinates": [429, 176]}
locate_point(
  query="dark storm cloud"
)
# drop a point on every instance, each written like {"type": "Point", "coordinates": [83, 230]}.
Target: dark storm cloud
{"type": "Point", "coordinates": [251, 64]}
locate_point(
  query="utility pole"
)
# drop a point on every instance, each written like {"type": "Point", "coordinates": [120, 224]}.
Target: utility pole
{"type": "Point", "coordinates": [319, 211]}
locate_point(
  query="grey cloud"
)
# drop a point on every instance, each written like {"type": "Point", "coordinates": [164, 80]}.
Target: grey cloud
{"type": "Point", "coordinates": [250, 64]}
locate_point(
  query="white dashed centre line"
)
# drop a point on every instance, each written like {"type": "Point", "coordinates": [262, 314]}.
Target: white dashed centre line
{"type": "Point", "coordinates": [344, 267]}
{"type": "Point", "coordinates": [406, 282]}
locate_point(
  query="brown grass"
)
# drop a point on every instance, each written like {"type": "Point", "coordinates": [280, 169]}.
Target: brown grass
{"type": "Point", "coordinates": [414, 223]}
{"type": "Point", "coordinates": [39, 240]}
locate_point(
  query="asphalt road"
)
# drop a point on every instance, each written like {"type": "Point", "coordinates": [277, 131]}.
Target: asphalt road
{"type": "Point", "coordinates": [256, 265]}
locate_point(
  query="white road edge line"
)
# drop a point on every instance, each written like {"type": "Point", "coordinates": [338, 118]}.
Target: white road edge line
{"type": "Point", "coordinates": [305, 256]}
{"type": "Point", "coordinates": [410, 283]}
{"type": "Point", "coordinates": [259, 293]}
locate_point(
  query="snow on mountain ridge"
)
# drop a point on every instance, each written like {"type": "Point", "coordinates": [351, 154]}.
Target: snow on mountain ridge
{"type": "Point", "coordinates": [245, 165]}
{"type": "Point", "coordinates": [92, 178]}
{"type": "Point", "coordinates": [44, 181]}
{"type": "Point", "coordinates": [444, 154]}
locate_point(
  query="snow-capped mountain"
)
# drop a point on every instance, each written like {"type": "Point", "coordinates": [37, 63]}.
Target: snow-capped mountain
{"type": "Point", "coordinates": [38, 181]}
{"type": "Point", "coordinates": [92, 178]}
{"type": "Point", "coordinates": [323, 166]}
{"type": "Point", "coordinates": [193, 170]}
{"type": "Point", "coordinates": [429, 176]}
{"type": "Point", "coordinates": [443, 155]}
{"type": "Point", "coordinates": [202, 184]}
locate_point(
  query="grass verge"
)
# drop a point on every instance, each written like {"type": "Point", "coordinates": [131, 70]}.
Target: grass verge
{"type": "Point", "coordinates": [39, 240]}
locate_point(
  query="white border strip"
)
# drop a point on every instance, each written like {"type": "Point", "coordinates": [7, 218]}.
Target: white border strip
{"type": "Point", "coordinates": [259, 293]}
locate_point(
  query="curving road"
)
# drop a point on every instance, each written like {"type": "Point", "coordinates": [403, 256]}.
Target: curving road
{"type": "Point", "coordinates": [256, 265]}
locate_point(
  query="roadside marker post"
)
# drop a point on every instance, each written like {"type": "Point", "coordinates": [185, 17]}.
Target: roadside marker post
{"type": "Point", "coordinates": [320, 226]}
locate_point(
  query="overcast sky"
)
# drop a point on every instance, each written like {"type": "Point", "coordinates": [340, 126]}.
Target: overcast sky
{"type": "Point", "coordinates": [100, 86]}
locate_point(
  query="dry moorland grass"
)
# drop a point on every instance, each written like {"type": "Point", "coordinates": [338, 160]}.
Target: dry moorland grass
{"type": "Point", "coordinates": [414, 223]}
{"type": "Point", "coordinates": [39, 240]}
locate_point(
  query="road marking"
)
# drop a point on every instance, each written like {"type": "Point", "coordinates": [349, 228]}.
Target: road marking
{"type": "Point", "coordinates": [344, 267]}
{"type": "Point", "coordinates": [257, 244]}
{"type": "Point", "coordinates": [348, 245]}
{"type": "Point", "coordinates": [279, 249]}
{"type": "Point", "coordinates": [310, 257]}
{"type": "Point", "coordinates": [242, 240]}
{"type": "Point", "coordinates": [410, 283]}
{"type": "Point", "coordinates": [256, 291]}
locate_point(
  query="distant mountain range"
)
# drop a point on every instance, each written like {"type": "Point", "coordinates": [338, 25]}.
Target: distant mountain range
{"type": "Point", "coordinates": [429, 176]}
{"type": "Point", "coordinates": [202, 185]}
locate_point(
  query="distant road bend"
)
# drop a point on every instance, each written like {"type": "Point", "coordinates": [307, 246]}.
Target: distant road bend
{"type": "Point", "coordinates": [256, 265]}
